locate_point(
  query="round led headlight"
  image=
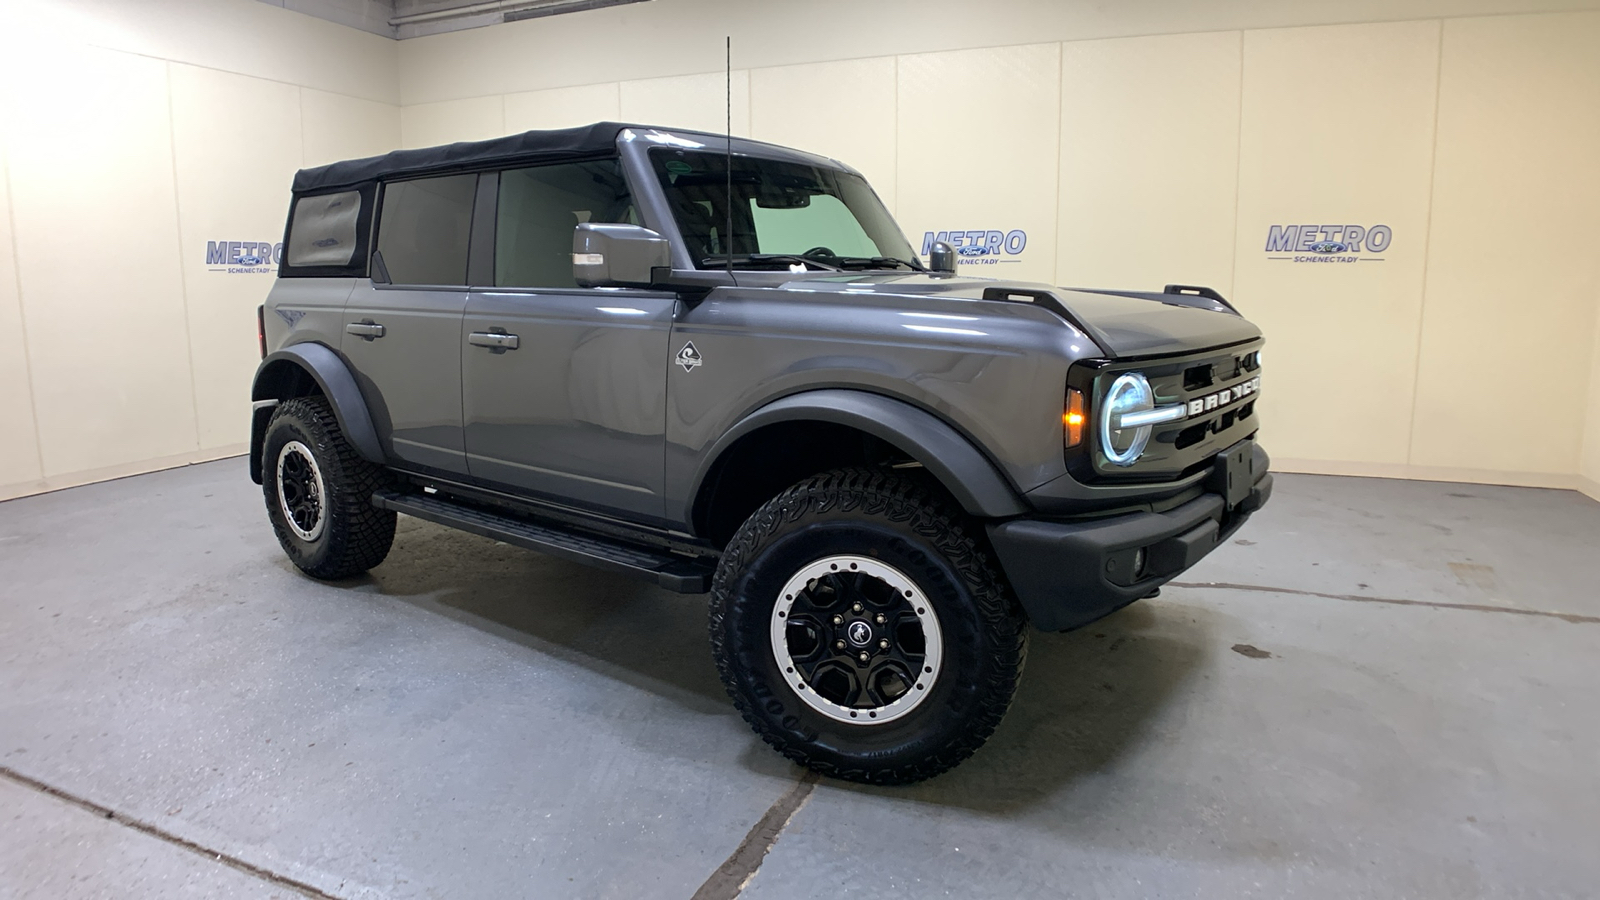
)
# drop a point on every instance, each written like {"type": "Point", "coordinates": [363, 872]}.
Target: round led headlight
{"type": "Point", "coordinates": [1130, 393]}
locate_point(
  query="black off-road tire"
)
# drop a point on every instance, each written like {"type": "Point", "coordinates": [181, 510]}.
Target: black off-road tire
{"type": "Point", "coordinates": [355, 535]}
{"type": "Point", "coordinates": [894, 519]}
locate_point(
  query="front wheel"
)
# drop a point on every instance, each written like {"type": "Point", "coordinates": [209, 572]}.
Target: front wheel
{"type": "Point", "coordinates": [862, 631]}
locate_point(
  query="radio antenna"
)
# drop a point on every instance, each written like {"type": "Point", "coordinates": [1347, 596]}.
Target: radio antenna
{"type": "Point", "coordinates": [728, 69]}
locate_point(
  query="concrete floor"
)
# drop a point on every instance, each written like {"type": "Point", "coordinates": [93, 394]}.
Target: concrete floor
{"type": "Point", "coordinates": [182, 714]}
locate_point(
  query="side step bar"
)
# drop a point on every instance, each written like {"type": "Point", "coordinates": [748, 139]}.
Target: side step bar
{"type": "Point", "coordinates": [683, 574]}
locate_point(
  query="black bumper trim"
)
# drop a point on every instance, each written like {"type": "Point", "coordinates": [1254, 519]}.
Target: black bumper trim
{"type": "Point", "coordinates": [1068, 574]}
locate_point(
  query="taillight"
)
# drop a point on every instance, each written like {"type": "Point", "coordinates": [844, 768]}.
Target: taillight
{"type": "Point", "coordinates": [1073, 418]}
{"type": "Point", "coordinates": [261, 329]}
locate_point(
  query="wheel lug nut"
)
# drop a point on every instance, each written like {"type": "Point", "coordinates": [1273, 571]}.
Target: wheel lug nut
{"type": "Point", "coordinates": [838, 620]}
{"type": "Point", "coordinates": [863, 657]}
{"type": "Point", "coordinates": [838, 645]}
{"type": "Point", "coordinates": [883, 645]}
{"type": "Point", "coordinates": [882, 618]}
{"type": "Point", "coordinates": [856, 608]}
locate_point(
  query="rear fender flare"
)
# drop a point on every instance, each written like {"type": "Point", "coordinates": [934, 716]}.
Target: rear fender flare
{"type": "Point", "coordinates": [336, 382]}
{"type": "Point", "coordinates": [947, 455]}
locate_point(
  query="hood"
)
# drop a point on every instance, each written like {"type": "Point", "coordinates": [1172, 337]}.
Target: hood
{"type": "Point", "coordinates": [1125, 324]}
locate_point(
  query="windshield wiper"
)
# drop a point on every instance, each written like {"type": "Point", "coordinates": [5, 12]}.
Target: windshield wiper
{"type": "Point", "coordinates": [767, 259]}
{"type": "Point", "coordinates": [876, 262]}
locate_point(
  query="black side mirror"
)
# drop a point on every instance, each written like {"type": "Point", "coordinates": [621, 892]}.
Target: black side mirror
{"type": "Point", "coordinates": [942, 258]}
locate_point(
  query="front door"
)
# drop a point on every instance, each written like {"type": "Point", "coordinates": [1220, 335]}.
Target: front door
{"type": "Point", "coordinates": [403, 339]}
{"type": "Point", "coordinates": [564, 388]}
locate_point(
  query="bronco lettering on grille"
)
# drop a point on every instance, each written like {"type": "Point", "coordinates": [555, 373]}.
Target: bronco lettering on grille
{"type": "Point", "coordinates": [1225, 397]}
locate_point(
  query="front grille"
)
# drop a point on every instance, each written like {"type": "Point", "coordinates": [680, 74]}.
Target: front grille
{"type": "Point", "coordinates": [1178, 448]}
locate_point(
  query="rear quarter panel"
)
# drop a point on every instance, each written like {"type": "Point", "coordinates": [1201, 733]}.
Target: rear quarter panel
{"type": "Point", "coordinates": [306, 309]}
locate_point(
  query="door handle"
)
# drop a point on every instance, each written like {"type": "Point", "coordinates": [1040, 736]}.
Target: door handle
{"type": "Point", "coordinates": [367, 330]}
{"type": "Point", "coordinates": [498, 341]}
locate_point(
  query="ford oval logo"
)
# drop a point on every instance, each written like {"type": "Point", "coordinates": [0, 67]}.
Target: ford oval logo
{"type": "Point", "coordinates": [973, 250]}
{"type": "Point", "coordinates": [1329, 247]}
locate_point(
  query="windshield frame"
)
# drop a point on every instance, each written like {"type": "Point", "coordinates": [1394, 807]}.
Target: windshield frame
{"type": "Point", "coordinates": [854, 193]}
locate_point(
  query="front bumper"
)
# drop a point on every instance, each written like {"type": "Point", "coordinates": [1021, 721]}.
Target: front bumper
{"type": "Point", "coordinates": [1068, 574]}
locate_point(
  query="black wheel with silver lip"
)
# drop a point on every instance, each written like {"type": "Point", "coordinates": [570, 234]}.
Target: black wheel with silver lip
{"type": "Point", "coordinates": [302, 496]}
{"type": "Point", "coordinates": [862, 629]}
{"type": "Point", "coordinates": [856, 639]}
{"type": "Point", "coordinates": [319, 493]}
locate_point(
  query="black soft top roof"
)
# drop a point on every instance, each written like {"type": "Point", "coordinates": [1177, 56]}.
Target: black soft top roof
{"type": "Point", "coordinates": [529, 147]}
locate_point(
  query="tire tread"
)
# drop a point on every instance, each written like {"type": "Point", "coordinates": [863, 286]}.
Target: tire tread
{"type": "Point", "coordinates": [908, 502]}
{"type": "Point", "coordinates": [359, 534]}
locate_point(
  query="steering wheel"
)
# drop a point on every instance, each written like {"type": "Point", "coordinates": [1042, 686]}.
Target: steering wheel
{"type": "Point", "coordinates": [820, 253]}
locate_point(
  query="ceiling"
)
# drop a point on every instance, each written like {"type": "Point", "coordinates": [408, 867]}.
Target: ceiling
{"type": "Point", "coordinates": [402, 19]}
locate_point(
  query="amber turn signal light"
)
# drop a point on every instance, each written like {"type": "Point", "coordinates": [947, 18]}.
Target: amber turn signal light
{"type": "Point", "coordinates": [1073, 418]}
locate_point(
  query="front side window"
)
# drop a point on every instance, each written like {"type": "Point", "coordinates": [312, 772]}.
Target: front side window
{"type": "Point", "coordinates": [424, 229]}
{"type": "Point", "coordinates": [782, 213]}
{"type": "Point", "coordinates": [537, 211]}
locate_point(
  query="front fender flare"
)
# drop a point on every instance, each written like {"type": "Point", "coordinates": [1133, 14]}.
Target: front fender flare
{"type": "Point", "coordinates": [337, 383]}
{"type": "Point", "coordinates": [970, 477]}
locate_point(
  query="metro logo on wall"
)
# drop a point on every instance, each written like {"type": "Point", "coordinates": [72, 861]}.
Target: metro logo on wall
{"type": "Point", "coordinates": [1329, 243]}
{"type": "Point", "coordinates": [982, 246]}
{"type": "Point", "coordinates": [243, 257]}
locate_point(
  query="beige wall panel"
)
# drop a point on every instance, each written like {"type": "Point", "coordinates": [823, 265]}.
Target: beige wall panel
{"type": "Point", "coordinates": [454, 120]}
{"type": "Point", "coordinates": [242, 36]}
{"type": "Point", "coordinates": [856, 125]}
{"type": "Point", "coordinates": [97, 250]}
{"type": "Point", "coordinates": [1149, 161]}
{"type": "Point", "coordinates": [235, 162]}
{"type": "Point", "coordinates": [335, 127]}
{"type": "Point", "coordinates": [1512, 269]}
{"type": "Point", "coordinates": [563, 107]}
{"type": "Point", "coordinates": [685, 36]}
{"type": "Point", "coordinates": [697, 102]}
{"type": "Point", "coordinates": [978, 145]}
{"type": "Point", "coordinates": [1337, 129]}
{"type": "Point", "coordinates": [19, 440]}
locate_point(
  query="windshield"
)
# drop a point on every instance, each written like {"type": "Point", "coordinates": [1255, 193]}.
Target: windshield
{"type": "Point", "coordinates": [784, 214]}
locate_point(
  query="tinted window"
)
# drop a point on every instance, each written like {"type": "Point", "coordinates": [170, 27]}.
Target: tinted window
{"type": "Point", "coordinates": [323, 230]}
{"type": "Point", "coordinates": [779, 207]}
{"type": "Point", "coordinates": [424, 228]}
{"type": "Point", "coordinates": [537, 211]}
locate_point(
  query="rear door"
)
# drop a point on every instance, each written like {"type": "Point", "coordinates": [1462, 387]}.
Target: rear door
{"type": "Point", "coordinates": [564, 388]}
{"type": "Point", "coordinates": [403, 339]}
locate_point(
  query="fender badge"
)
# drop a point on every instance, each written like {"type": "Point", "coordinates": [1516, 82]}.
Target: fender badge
{"type": "Point", "coordinates": [689, 357]}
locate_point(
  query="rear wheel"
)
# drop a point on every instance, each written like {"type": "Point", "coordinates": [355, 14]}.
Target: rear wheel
{"type": "Point", "coordinates": [863, 631]}
{"type": "Point", "coordinates": [319, 493]}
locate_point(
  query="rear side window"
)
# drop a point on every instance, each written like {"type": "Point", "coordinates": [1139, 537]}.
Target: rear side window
{"type": "Point", "coordinates": [424, 228]}
{"type": "Point", "coordinates": [328, 234]}
{"type": "Point", "coordinates": [540, 206]}
{"type": "Point", "coordinates": [323, 231]}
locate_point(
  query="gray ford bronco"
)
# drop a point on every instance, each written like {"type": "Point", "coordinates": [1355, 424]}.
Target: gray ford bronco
{"type": "Point", "coordinates": [719, 366]}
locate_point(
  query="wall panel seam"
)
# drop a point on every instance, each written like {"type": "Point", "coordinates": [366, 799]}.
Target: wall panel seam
{"type": "Point", "coordinates": [897, 182]}
{"type": "Point", "coordinates": [22, 312]}
{"type": "Point", "coordinates": [183, 273]}
{"type": "Point", "coordinates": [300, 108]}
{"type": "Point", "coordinates": [1238, 175]}
{"type": "Point", "coordinates": [1427, 245]}
{"type": "Point", "coordinates": [1061, 150]}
